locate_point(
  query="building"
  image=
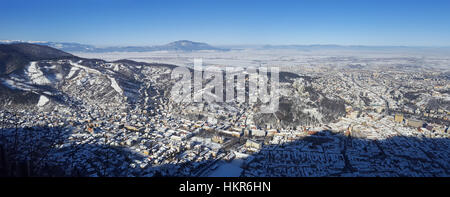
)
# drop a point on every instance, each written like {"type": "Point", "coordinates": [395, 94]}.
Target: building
{"type": "Point", "coordinates": [253, 144]}
{"type": "Point", "coordinates": [246, 132]}
{"type": "Point", "coordinates": [175, 138]}
{"type": "Point", "coordinates": [271, 132]}
{"type": "Point", "coordinates": [131, 128]}
{"type": "Point", "coordinates": [353, 114]}
{"type": "Point", "coordinates": [398, 118]}
{"type": "Point", "coordinates": [258, 133]}
{"type": "Point", "coordinates": [415, 123]}
{"type": "Point", "coordinates": [217, 139]}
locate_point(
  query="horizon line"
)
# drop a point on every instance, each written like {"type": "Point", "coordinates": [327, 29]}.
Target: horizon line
{"type": "Point", "coordinates": [8, 41]}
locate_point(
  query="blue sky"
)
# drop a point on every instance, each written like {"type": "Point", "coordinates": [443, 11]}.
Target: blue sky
{"type": "Point", "coordinates": [229, 22]}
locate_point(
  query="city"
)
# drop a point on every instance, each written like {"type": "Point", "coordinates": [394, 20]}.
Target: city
{"type": "Point", "coordinates": [72, 116]}
{"type": "Point", "coordinates": [225, 96]}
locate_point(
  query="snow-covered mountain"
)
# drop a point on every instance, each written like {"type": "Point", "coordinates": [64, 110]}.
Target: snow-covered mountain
{"type": "Point", "coordinates": [181, 45]}
{"type": "Point", "coordinates": [36, 76]}
{"type": "Point", "coordinates": [186, 45]}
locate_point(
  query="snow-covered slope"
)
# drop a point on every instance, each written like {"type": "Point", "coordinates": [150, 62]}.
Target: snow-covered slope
{"type": "Point", "coordinates": [74, 81]}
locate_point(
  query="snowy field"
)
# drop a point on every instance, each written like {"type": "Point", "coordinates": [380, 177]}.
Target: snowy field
{"type": "Point", "coordinates": [286, 57]}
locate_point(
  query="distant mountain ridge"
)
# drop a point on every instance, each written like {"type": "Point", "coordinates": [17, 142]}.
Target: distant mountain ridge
{"type": "Point", "coordinates": [190, 46]}
{"type": "Point", "coordinates": [181, 45]}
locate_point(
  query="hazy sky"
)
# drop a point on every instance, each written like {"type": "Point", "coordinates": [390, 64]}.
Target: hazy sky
{"type": "Point", "coordinates": [114, 22]}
